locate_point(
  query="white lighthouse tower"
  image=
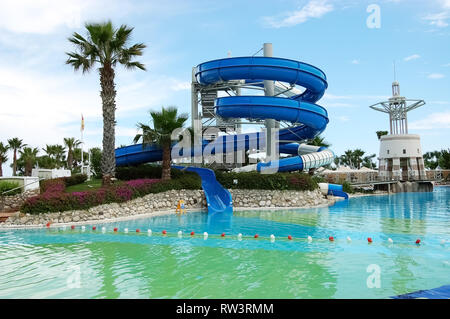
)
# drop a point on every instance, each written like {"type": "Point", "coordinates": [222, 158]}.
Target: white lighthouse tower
{"type": "Point", "coordinates": [400, 153]}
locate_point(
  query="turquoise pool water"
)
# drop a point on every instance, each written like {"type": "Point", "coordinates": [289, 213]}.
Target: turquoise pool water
{"type": "Point", "coordinates": [59, 263]}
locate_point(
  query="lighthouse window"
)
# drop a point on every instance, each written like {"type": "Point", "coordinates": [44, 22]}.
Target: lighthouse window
{"type": "Point", "coordinates": [404, 151]}
{"type": "Point", "coordinates": [388, 151]}
{"type": "Point", "coordinates": [418, 152]}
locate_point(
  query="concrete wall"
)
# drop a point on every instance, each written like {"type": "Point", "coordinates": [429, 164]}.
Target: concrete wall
{"type": "Point", "coordinates": [50, 173]}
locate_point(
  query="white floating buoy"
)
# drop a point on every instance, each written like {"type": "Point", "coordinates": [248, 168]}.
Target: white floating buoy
{"type": "Point", "coordinates": [272, 238]}
{"type": "Point", "coordinates": [103, 229]}
{"type": "Point", "coordinates": [349, 239]}
{"type": "Point", "coordinates": [443, 242]}
{"type": "Point", "coordinates": [239, 236]}
{"type": "Point", "coordinates": [149, 232]}
{"type": "Point", "coordinates": [125, 230]}
{"type": "Point", "coordinates": [64, 227]}
{"type": "Point", "coordinates": [83, 228]}
{"type": "Point", "coordinates": [390, 240]}
{"type": "Point", "coordinates": [205, 235]}
{"type": "Point", "coordinates": [309, 239]}
{"type": "Point", "coordinates": [180, 233]}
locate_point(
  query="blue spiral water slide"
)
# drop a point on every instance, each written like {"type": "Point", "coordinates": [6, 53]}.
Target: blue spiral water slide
{"type": "Point", "coordinates": [308, 120]}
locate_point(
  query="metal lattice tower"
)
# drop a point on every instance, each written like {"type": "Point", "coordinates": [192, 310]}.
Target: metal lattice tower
{"type": "Point", "coordinates": [397, 107]}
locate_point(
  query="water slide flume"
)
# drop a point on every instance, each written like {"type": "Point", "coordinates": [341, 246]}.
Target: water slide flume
{"type": "Point", "coordinates": [308, 118]}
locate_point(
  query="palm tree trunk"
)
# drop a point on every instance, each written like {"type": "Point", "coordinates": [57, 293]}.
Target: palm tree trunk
{"type": "Point", "coordinates": [166, 163]}
{"type": "Point", "coordinates": [1, 169]}
{"type": "Point", "coordinates": [15, 162]}
{"type": "Point", "coordinates": [28, 168]}
{"type": "Point", "coordinates": [108, 95]}
{"type": "Point", "coordinates": [69, 159]}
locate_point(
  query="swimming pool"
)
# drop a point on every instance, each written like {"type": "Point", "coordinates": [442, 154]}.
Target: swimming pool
{"type": "Point", "coordinates": [57, 263]}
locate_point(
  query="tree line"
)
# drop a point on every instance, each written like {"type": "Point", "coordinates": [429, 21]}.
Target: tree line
{"type": "Point", "coordinates": [68, 156]}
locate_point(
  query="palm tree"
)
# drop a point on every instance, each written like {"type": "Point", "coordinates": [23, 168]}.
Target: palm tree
{"type": "Point", "coordinates": [3, 156]}
{"type": "Point", "coordinates": [164, 123]}
{"type": "Point", "coordinates": [367, 161]}
{"type": "Point", "coordinates": [358, 157]}
{"type": "Point", "coordinates": [56, 152]}
{"type": "Point", "coordinates": [106, 46]}
{"type": "Point", "coordinates": [29, 158]}
{"type": "Point", "coordinates": [381, 133]}
{"type": "Point", "coordinates": [71, 144]}
{"type": "Point", "coordinates": [319, 141]}
{"type": "Point", "coordinates": [15, 144]}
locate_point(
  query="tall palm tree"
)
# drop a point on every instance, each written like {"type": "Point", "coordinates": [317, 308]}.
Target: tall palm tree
{"type": "Point", "coordinates": [29, 158]}
{"type": "Point", "coordinates": [3, 155]}
{"type": "Point", "coordinates": [106, 46]}
{"type": "Point", "coordinates": [15, 144]}
{"type": "Point", "coordinates": [71, 144]}
{"type": "Point", "coordinates": [358, 157]}
{"type": "Point", "coordinates": [164, 123]}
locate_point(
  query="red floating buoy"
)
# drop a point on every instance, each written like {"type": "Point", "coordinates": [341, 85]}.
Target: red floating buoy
{"type": "Point", "coordinates": [290, 237]}
{"type": "Point", "coordinates": [331, 238]}
{"type": "Point", "coordinates": [164, 232]}
{"type": "Point", "coordinates": [72, 227]}
{"type": "Point", "coordinates": [256, 235]}
{"type": "Point", "coordinates": [418, 241]}
{"type": "Point", "coordinates": [369, 240]}
{"type": "Point", "coordinates": [115, 229]}
{"type": "Point", "coordinates": [48, 225]}
{"type": "Point", "coordinates": [94, 228]}
{"type": "Point", "coordinates": [138, 230]}
{"type": "Point", "coordinates": [192, 233]}
{"type": "Point", "coordinates": [223, 235]}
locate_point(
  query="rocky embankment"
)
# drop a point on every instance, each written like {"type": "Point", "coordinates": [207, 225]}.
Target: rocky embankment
{"type": "Point", "coordinates": [167, 202]}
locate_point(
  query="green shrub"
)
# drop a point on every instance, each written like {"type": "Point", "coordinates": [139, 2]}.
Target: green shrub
{"type": "Point", "coordinates": [127, 173]}
{"type": "Point", "coordinates": [347, 187]}
{"type": "Point", "coordinates": [75, 179]}
{"type": "Point", "coordinates": [7, 186]}
{"type": "Point", "coordinates": [277, 181]}
{"type": "Point", "coordinates": [67, 181]}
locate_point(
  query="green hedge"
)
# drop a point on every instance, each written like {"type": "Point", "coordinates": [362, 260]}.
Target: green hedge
{"type": "Point", "coordinates": [127, 173]}
{"type": "Point", "coordinates": [6, 186]}
{"type": "Point", "coordinates": [277, 181]}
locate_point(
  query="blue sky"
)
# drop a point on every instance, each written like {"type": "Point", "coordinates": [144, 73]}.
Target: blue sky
{"type": "Point", "coordinates": [41, 98]}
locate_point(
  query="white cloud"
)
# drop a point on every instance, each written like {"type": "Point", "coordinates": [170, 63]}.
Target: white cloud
{"type": "Point", "coordinates": [343, 118]}
{"type": "Point", "coordinates": [180, 86]}
{"type": "Point", "coordinates": [445, 3]}
{"type": "Point", "coordinates": [355, 61]}
{"type": "Point", "coordinates": [432, 121]}
{"type": "Point", "coordinates": [436, 76]}
{"type": "Point", "coordinates": [438, 19]}
{"type": "Point", "coordinates": [411, 57]}
{"type": "Point", "coordinates": [46, 16]}
{"type": "Point", "coordinates": [313, 9]}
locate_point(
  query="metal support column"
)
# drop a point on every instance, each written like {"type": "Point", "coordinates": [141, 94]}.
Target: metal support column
{"type": "Point", "coordinates": [269, 91]}
{"type": "Point", "coordinates": [196, 122]}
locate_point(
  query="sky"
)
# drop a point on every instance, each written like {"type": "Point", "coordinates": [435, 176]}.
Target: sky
{"type": "Point", "coordinates": [42, 98]}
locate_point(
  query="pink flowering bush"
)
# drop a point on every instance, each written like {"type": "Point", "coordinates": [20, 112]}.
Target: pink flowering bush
{"type": "Point", "coordinates": [55, 199]}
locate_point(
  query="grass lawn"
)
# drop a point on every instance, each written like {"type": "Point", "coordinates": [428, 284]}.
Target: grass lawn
{"type": "Point", "coordinates": [86, 186]}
